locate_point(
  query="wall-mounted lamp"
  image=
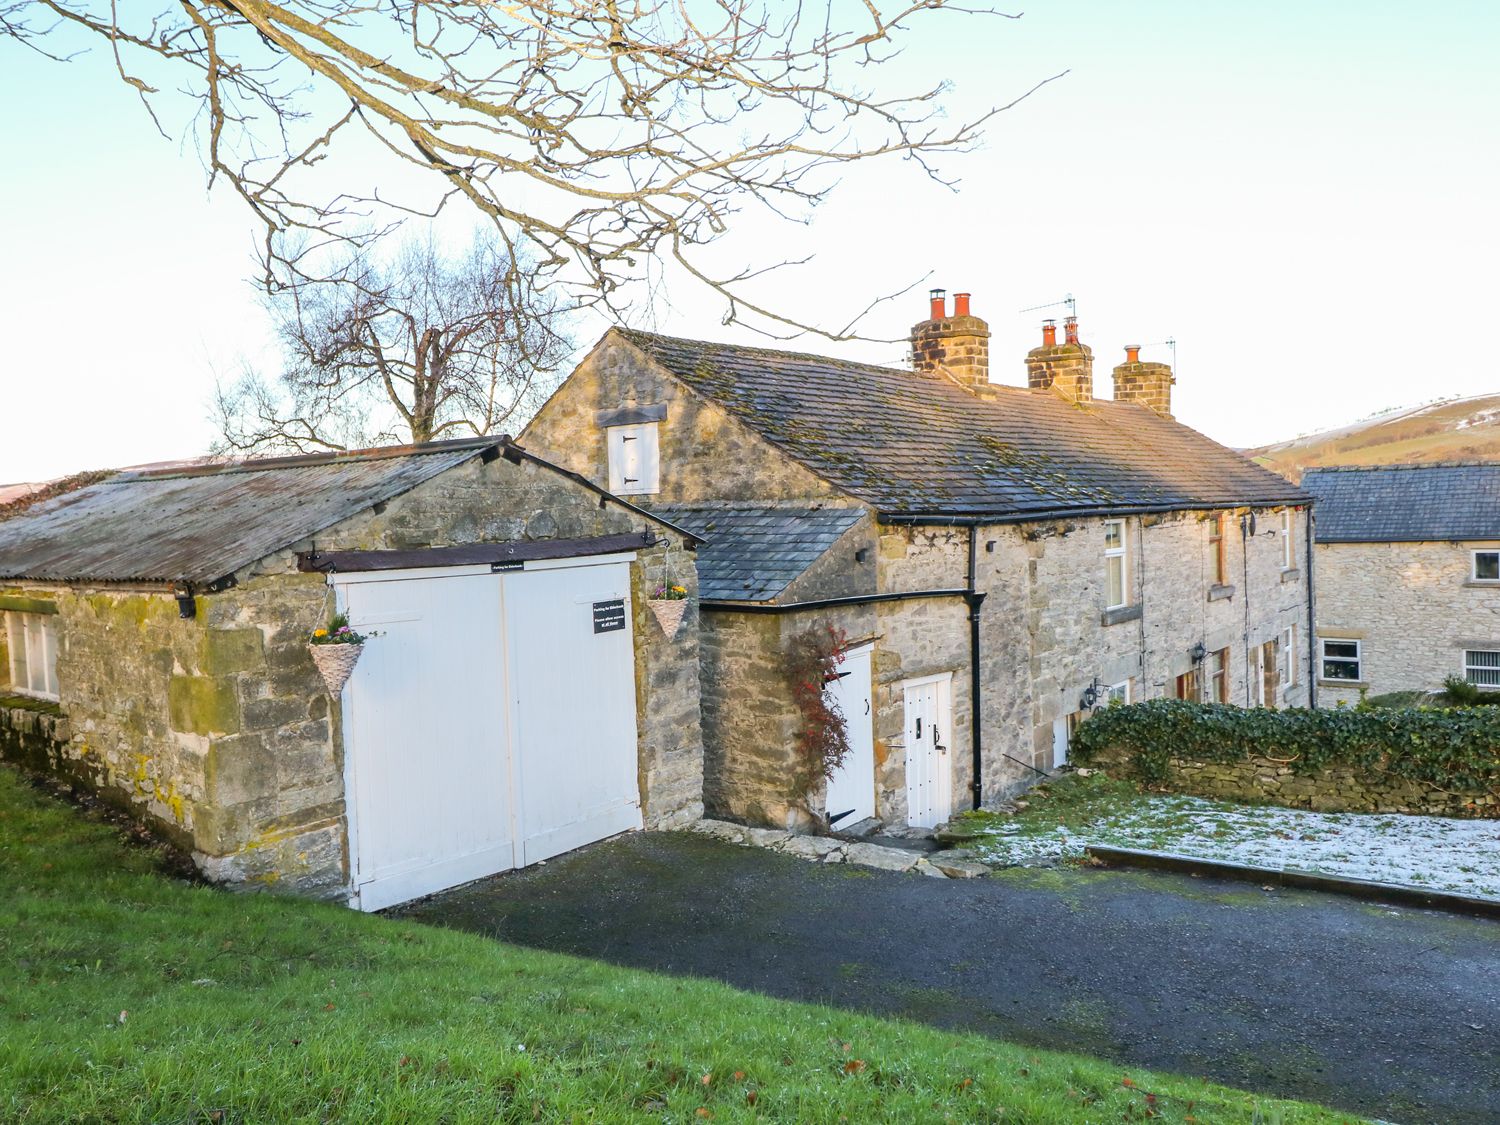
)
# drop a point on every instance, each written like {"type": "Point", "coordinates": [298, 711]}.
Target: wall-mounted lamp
{"type": "Point", "coordinates": [1198, 652]}
{"type": "Point", "coordinates": [187, 605]}
{"type": "Point", "coordinates": [1090, 695]}
{"type": "Point", "coordinates": [862, 554]}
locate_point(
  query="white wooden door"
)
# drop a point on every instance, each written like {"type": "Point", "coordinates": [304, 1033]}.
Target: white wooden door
{"type": "Point", "coordinates": [851, 789]}
{"type": "Point", "coordinates": [929, 753]}
{"type": "Point", "coordinates": [572, 706]}
{"type": "Point", "coordinates": [429, 796]}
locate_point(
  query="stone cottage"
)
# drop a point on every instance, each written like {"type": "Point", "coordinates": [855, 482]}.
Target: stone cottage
{"type": "Point", "coordinates": [1019, 554]}
{"type": "Point", "coordinates": [516, 697]}
{"type": "Point", "coordinates": [1408, 577]}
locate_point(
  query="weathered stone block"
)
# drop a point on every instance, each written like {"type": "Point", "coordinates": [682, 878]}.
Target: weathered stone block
{"type": "Point", "coordinates": [226, 651]}
{"type": "Point", "coordinates": [886, 859]}
{"type": "Point", "coordinates": [203, 705]}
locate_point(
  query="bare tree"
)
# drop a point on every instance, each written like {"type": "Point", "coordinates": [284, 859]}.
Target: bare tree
{"type": "Point", "coordinates": [419, 348]}
{"type": "Point", "coordinates": [607, 134]}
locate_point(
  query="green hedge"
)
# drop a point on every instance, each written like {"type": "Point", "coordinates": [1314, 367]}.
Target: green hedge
{"type": "Point", "coordinates": [1457, 749]}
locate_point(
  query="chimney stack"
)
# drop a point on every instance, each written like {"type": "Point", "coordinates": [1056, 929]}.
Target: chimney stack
{"type": "Point", "coordinates": [1146, 383]}
{"type": "Point", "coordinates": [957, 345]}
{"type": "Point", "coordinates": [1068, 367]}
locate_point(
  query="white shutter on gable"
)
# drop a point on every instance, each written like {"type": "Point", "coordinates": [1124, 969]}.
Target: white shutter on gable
{"type": "Point", "coordinates": [633, 459]}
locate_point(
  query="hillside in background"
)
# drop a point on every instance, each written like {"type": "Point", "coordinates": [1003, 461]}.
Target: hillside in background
{"type": "Point", "coordinates": [1461, 429]}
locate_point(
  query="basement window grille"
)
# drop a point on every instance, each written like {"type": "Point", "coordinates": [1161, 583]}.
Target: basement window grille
{"type": "Point", "coordinates": [1482, 667]}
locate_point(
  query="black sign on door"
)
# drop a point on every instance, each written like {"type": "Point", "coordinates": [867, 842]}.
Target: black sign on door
{"type": "Point", "coordinates": [609, 617]}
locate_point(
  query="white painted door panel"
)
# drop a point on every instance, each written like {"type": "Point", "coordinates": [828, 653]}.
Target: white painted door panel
{"type": "Point", "coordinates": [425, 707]}
{"type": "Point", "coordinates": [851, 789]}
{"type": "Point", "coordinates": [572, 701]}
{"type": "Point", "coordinates": [929, 755]}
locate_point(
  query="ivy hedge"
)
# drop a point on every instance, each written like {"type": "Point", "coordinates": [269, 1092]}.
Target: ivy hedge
{"type": "Point", "coordinates": [1453, 749]}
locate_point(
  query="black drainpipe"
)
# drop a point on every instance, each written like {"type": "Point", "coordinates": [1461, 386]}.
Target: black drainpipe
{"type": "Point", "coordinates": [975, 599]}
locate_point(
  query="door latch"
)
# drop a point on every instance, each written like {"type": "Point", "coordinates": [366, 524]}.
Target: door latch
{"type": "Point", "coordinates": [937, 739]}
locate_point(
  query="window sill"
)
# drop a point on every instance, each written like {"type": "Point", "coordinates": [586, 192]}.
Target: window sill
{"type": "Point", "coordinates": [1483, 583]}
{"type": "Point", "coordinates": [1291, 575]}
{"type": "Point", "coordinates": [10, 701]}
{"type": "Point", "coordinates": [1219, 593]}
{"type": "Point", "coordinates": [1120, 616]}
{"type": "Point", "coordinates": [1354, 685]}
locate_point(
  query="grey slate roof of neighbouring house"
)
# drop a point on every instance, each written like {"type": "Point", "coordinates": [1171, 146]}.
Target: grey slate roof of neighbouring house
{"type": "Point", "coordinates": [753, 552]}
{"type": "Point", "coordinates": [1405, 503]}
{"type": "Point", "coordinates": [917, 444]}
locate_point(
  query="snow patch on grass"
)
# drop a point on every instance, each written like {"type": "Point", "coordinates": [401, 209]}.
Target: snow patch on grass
{"type": "Point", "coordinates": [1432, 852]}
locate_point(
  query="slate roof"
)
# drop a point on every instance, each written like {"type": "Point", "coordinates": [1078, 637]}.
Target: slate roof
{"type": "Point", "coordinates": [754, 552]}
{"type": "Point", "coordinates": [1405, 503]}
{"type": "Point", "coordinates": [200, 524]}
{"type": "Point", "coordinates": [917, 445]}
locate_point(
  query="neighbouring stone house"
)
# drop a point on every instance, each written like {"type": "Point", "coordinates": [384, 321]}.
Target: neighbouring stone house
{"type": "Point", "coordinates": [1407, 559]}
{"type": "Point", "coordinates": [517, 697]}
{"type": "Point", "coordinates": [1023, 553]}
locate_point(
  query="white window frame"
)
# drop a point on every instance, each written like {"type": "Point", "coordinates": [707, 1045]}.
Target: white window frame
{"type": "Point", "coordinates": [1492, 670]}
{"type": "Point", "coordinates": [1110, 555]}
{"type": "Point", "coordinates": [28, 635]}
{"type": "Point", "coordinates": [1288, 541]}
{"type": "Point", "coordinates": [1289, 659]}
{"type": "Point", "coordinates": [1119, 691]}
{"type": "Point", "coordinates": [634, 449]}
{"type": "Point", "coordinates": [1358, 659]}
{"type": "Point", "coordinates": [1216, 684]}
{"type": "Point", "coordinates": [1474, 565]}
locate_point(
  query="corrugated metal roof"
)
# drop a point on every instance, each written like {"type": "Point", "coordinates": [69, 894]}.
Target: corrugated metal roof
{"type": "Point", "coordinates": [198, 525]}
{"type": "Point", "coordinates": [753, 552]}
{"type": "Point", "coordinates": [917, 444]}
{"type": "Point", "coordinates": [1405, 503]}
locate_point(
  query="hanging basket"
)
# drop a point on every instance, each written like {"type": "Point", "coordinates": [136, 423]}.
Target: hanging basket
{"type": "Point", "coordinates": [335, 663]}
{"type": "Point", "coordinates": [669, 612]}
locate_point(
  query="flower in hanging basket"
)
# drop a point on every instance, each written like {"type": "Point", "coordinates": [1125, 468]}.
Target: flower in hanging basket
{"type": "Point", "coordinates": [338, 632]}
{"type": "Point", "coordinates": [335, 650]}
{"type": "Point", "coordinates": [669, 605]}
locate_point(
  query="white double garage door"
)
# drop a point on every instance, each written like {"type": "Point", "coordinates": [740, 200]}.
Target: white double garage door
{"type": "Point", "coordinates": [490, 723]}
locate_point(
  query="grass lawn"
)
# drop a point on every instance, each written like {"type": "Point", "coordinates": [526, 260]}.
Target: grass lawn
{"type": "Point", "coordinates": [129, 996]}
{"type": "Point", "coordinates": [1063, 816]}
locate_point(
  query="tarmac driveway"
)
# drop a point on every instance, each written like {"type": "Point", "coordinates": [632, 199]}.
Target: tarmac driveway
{"type": "Point", "coordinates": [1391, 1013]}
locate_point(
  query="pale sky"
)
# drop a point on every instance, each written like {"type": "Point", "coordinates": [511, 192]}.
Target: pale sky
{"type": "Point", "coordinates": [1304, 195]}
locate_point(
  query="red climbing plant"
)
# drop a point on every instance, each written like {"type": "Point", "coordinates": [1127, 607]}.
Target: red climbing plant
{"type": "Point", "coordinates": [813, 660]}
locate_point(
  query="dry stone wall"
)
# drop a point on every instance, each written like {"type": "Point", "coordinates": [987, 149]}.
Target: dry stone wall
{"type": "Point", "coordinates": [1335, 789]}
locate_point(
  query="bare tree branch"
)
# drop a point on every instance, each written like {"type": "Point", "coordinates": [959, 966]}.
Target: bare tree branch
{"type": "Point", "coordinates": [598, 134]}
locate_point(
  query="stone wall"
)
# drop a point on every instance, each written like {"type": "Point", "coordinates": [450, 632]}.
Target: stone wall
{"type": "Point", "coordinates": [218, 728]}
{"type": "Point", "coordinates": [1335, 789]}
{"type": "Point", "coordinates": [32, 733]}
{"type": "Point", "coordinates": [1412, 607]}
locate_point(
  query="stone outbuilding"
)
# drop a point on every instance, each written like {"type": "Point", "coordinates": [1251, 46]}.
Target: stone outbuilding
{"type": "Point", "coordinates": [998, 560]}
{"type": "Point", "coordinates": [516, 696]}
{"type": "Point", "coordinates": [1408, 577]}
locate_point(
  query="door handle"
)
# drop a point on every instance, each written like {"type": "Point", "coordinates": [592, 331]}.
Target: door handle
{"type": "Point", "coordinates": [937, 739]}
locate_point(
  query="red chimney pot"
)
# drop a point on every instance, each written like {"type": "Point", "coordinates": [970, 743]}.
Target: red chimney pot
{"type": "Point", "coordinates": [1049, 333]}
{"type": "Point", "coordinates": [1070, 329]}
{"type": "Point", "coordinates": [939, 298]}
{"type": "Point", "coordinates": [960, 304]}
{"type": "Point", "coordinates": [1132, 353]}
